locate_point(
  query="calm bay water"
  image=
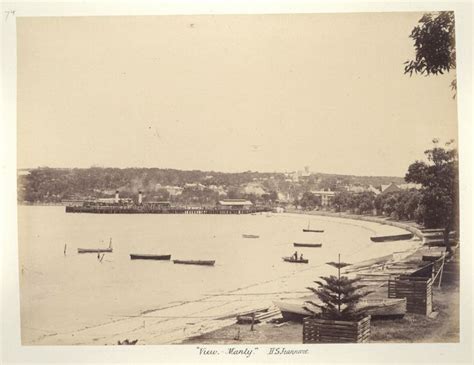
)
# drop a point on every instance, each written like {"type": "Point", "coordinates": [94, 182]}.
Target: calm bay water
{"type": "Point", "coordinates": [64, 297]}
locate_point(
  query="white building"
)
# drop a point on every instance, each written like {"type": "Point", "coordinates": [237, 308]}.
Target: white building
{"type": "Point", "coordinates": [326, 196]}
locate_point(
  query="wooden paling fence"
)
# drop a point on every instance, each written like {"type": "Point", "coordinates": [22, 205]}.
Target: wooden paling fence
{"type": "Point", "coordinates": [317, 330]}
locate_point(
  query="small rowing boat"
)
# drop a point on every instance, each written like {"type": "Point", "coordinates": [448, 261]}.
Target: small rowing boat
{"type": "Point", "coordinates": [298, 261]}
{"type": "Point", "coordinates": [295, 244]}
{"type": "Point", "coordinates": [250, 236]}
{"type": "Point", "coordinates": [313, 230]}
{"type": "Point", "coordinates": [396, 237]}
{"type": "Point", "coordinates": [94, 250]}
{"type": "Point", "coordinates": [149, 257]}
{"type": "Point", "coordinates": [195, 262]}
{"type": "Point", "coordinates": [387, 308]}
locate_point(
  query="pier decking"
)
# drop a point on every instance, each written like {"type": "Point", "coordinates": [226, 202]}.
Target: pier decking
{"type": "Point", "coordinates": [146, 210]}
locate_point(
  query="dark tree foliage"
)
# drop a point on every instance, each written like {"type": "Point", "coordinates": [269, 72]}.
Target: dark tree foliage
{"type": "Point", "coordinates": [53, 185]}
{"type": "Point", "coordinates": [439, 178]}
{"type": "Point", "coordinates": [339, 296]}
{"type": "Point", "coordinates": [341, 201]}
{"type": "Point", "coordinates": [401, 205]}
{"type": "Point", "coordinates": [435, 46]}
{"type": "Point", "coordinates": [360, 203]}
{"type": "Point", "coordinates": [309, 201]}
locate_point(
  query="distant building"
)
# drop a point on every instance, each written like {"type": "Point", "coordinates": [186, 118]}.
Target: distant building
{"type": "Point", "coordinates": [292, 176]}
{"type": "Point", "coordinates": [254, 188]}
{"type": "Point", "coordinates": [373, 190]}
{"type": "Point", "coordinates": [173, 190]}
{"type": "Point", "coordinates": [355, 188]}
{"type": "Point", "coordinates": [305, 173]}
{"type": "Point", "coordinates": [409, 186]}
{"type": "Point", "coordinates": [390, 188]}
{"type": "Point", "coordinates": [235, 204]}
{"type": "Point", "coordinates": [283, 198]}
{"type": "Point", "coordinates": [218, 189]}
{"type": "Point", "coordinates": [157, 204]}
{"type": "Point", "coordinates": [326, 196]}
{"type": "Point", "coordinates": [194, 185]}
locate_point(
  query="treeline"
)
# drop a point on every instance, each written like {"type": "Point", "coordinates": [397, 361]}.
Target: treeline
{"type": "Point", "coordinates": [401, 205]}
{"type": "Point", "coordinates": [52, 185]}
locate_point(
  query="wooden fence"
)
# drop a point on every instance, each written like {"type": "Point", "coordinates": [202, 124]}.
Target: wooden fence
{"type": "Point", "coordinates": [317, 330]}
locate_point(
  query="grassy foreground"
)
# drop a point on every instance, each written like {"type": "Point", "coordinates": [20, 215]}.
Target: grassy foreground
{"type": "Point", "coordinates": [412, 328]}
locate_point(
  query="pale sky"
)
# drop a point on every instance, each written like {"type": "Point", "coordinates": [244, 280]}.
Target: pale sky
{"type": "Point", "coordinates": [227, 93]}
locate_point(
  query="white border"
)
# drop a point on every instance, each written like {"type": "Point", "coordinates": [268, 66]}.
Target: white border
{"type": "Point", "coordinates": [12, 351]}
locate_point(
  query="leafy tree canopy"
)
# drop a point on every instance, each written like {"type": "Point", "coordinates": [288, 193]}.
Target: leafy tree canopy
{"type": "Point", "coordinates": [439, 179]}
{"type": "Point", "coordinates": [434, 45]}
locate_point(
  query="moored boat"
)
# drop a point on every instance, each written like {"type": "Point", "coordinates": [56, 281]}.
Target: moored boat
{"type": "Point", "coordinates": [377, 308]}
{"type": "Point", "coordinates": [94, 250]}
{"type": "Point", "coordinates": [195, 262]}
{"type": "Point", "coordinates": [312, 230]}
{"type": "Point", "coordinates": [298, 261]}
{"type": "Point", "coordinates": [395, 237]}
{"type": "Point", "coordinates": [250, 236]}
{"type": "Point", "coordinates": [296, 244]}
{"type": "Point", "coordinates": [149, 257]}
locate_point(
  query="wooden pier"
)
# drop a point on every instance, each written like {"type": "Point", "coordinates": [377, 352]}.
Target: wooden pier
{"type": "Point", "coordinates": [146, 210]}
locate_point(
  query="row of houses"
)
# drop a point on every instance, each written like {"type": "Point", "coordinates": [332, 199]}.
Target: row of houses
{"type": "Point", "coordinates": [388, 188]}
{"type": "Point", "coordinates": [327, 196]}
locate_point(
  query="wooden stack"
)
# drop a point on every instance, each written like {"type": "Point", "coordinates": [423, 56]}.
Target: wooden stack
{"type": "Point", "coordinates": [417, 291]}
{"type": "Point", "coordinates": [435, 237]}
{"type": "Point", "coordinates": [316, 330]}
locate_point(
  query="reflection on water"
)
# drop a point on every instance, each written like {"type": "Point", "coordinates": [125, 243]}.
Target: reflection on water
{"type": "Point", "coordinates": [64, 293]}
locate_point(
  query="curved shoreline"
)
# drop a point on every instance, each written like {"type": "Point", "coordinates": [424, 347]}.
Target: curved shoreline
{"type": "Point", "coordinates": [373, 219]}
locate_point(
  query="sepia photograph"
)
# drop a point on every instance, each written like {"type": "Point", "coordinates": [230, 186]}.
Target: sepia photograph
{"type": "Point", "coordinates": [238, 179]}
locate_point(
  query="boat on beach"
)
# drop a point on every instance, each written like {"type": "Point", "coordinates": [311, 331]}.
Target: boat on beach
{"type": "Point", "coordinates": [297, 261]}
{"type": "Point", "coordinates": [395, 237]}
{"type": "Point", "coordinates": [313, 230]}
{"type": "Point", "coordinates": [296, 244]}
{"type": "Point", "coordinates": [94, 250]}
{"type": "Point", "coordinates": [370, 262]}
{"type": "Point", "coordinates": [195, 262]}
{"type": "Point", "coordinates": [250, 236]}
{"type": "Point", "coordinates": [292, 311]}
{"type": "Point", "coordinates": [149, 257]}
{"type": "Point", "coordinates": [386, 308]}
